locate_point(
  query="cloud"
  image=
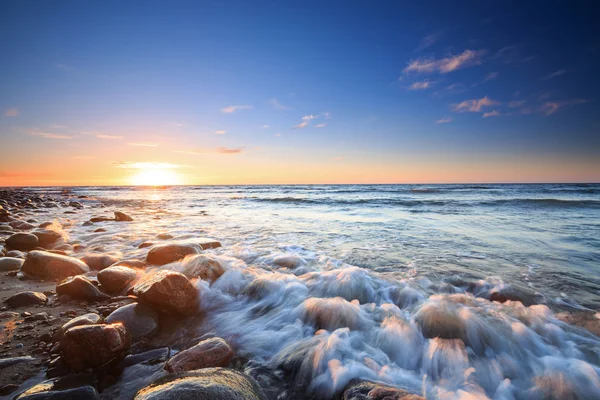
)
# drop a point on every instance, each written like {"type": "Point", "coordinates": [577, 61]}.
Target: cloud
{"type": "Point", "coordinates": [11, 112]}
{"type": "Point", "coordinates": [491, 114]}
{"type": "Point", "coordinates": [516, 103]}
{"type": "Point", "coordinates": [429, 41]}
{"type": "Point", "coordinates": [57, 126]}
{"type": "Point", "coordinates": [49, 135]}
{"type": "Point", "coordinates": [421, 85]}
{"type": "Point", "coordinates": [220, 132]}
{"type": "Point", "coordinates": [109, 137]}
{"type": "Point", "coordinates": [326, 115]}
{"type": "Point", "coordinates": [320, 125]}
{"type": "Point", "coordinates": [551, 107]}
{"type": "Point", "coordinates": [143, 144]}
{"type": "Point", "coordinates": [84, 157]}
{"type": "Point", "coordinates": [444, 120]}
{"type": "Point", "coordinates": [232, 109]}
{"type": "Point", "coordinates": [301, 125]}
{"type": "Point", "coordinates": [554, 74]}
{"type": "Point", "coordinates": [490, 76]}
{"type": "Point", "coordinates": [265, 126]}
{"type": "Point", "coordinates": [511, 54]}
{"type": "Point", "coordinates": [309, 117]}
{"type": "Point", "coordinates": [144, 165]}
{"type": "Point", "coordinates": [278, 134]}
{"type": "Point", "coordinates": [276, 104]}
{"type": "Point", "coordinates": [448, 64]}
{"type": "Point", "coordinates": [229, 150]}
{"type": "Point", "coordinates": [218, 150]}
{"type": "Point", "coordinates": [473, 105]}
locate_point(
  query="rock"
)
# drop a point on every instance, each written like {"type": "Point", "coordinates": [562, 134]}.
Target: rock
{"type": "Point", "coordinates": [587, 320]}
{"type": "Point", "coordinates": [145, 244]}
{"type": "Point", "coordinates": [86, 319]}
{"type": "Point", "coordinates": [8, 389]}
{"type": "Point", "coordinates": [167, 291]}
{"type": "Point", "coordinates": [53, 390]}
{"type": "Point", "coordinates": [8, 314]}
{"type": "Point", "coordinates": [440, 320]}
{"type": "Point", "coordinates": [22, 241]}
{"type": "Point", "coordinates": [7, 362]}
{"type": "Point", "coordinates": [91, 346]}
{"type": "Point", "coordinates": [288, 261]}
{"type": "Point", "coordinates": [26, 299]}
{"type": "Point", "coordinates": [122, 217]}
{"type": "Point", "coordinates": [139, 320]}
{"type": "Point", "coordinates": [21, 225]}
{"type": "Point", "coordinates": [132, 263]}
{"type": "Point", "coordinates": [361, 390]}
{"type": "Point", "coordinates": [164, 236]}
{"type": "Point", "coordinates": [10, 264]}
{"type": "Point", "coordinates": [15, 253]}
{"type": "Point", "coordinates": [79, 287]}
{"type": "Point", "coordinates": [208, 383]}
{"type": "Point", "coordinates": [161, 355]}
{"type": "Point", "coordinates": [47, 237]}
{"type": "Point", "coordinates": [167, 253]}
{"type": "Point", "coordinates": [214, 352]}
{"type": "Point", "coordinates": [45, 224]}
{"type": "Point", "coordinates": [100, 219]}
{"type": "Point", "coordinates": [208, 243]}
{"type": "Point", "coordinates": [116, 278]}
{"type": "Point", "coordinates": [50, 266]}
{"type": "Point", "coordinates": [203, 266]}
{"type": "Point", "coordinates": [98, 261]}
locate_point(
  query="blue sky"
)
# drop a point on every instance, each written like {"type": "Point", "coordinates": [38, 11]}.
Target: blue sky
{"type": "Point", "coordinates": [382, 88]}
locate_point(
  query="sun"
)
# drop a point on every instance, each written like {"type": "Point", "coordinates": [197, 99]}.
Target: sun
{"type": "Point", "coordinates": [155, 175]}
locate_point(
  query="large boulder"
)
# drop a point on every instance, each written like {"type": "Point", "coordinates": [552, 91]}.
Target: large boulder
{"type": "Point", "coordinates": [167, 253]}
{"type": "Point", "coordinates": [10, 264]}
{"type": "Point", "coordinates": [441, 319]}
{"type": "Point", "coordinates": [139, 320]}
{"type": "Point", "coordinates": [205, 384]}
{"type": "Point", "coordinates": [54, 389]}
{"type": "Point", "coordinates": [50, 266]}
{"type": "Point", "coordinates": [209, 353]}
{"type": "Point", "coordinates": [21, 241]}
{"type": "Point", "coordinates": [116, 278]}
{"type": "Point", "coordinates": [203, 266]}
{"type": "Point", "coordinates": [99, 261]}
{"type": "Point", "coordinates": [47, 238]}
{"type": "Point", "coordinates": [122, 217]}
{"type": "Point", "coordinates": [79, 287]}
{"type": "Point", "coordinates": [168, 292]}
{"type": "Point", "coordinates": [91, 346]}
{"type": "Point", "coordinates": [26, 299]}
{"type": "Point", "coordinates": [85, 319]}
{"type": "Point", "coordinates": [363, 390]}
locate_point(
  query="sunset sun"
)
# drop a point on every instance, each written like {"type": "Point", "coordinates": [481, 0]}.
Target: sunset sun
{"type": "Point", "coordinates": [154, 174]}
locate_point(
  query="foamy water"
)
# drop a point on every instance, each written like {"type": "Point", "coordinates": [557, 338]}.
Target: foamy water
{"type": "Point", "coordinates": [389, 282]}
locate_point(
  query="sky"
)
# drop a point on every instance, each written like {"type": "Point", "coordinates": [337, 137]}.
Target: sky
{"type": "Point", "coordinates": [265, 92]}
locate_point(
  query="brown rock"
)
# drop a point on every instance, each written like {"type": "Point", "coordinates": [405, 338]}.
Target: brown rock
{"type": "Point", "coordinates": [26, 299]}
{"type": "Point", "coordinates": [21, 241]}
{"type": "Point", "coordinates": [10, 264]}
{"type": "Point", "coordinates": [214, 352]}
{"type": "Point", "coordinates": [98, 261]}
{"type": "Point", "coordinates": [49, 266]}
{"type": "Point", "coordinates": [203, 266]}
{"type": "Point", "coordinates": [86, 319]}
{"type": "Point", "coordinates": [168, 253]}
{"type": "Point", "coordinates": [131, 263]}
{"type": "Point", "coordinates": [167, 291]}
{"type": "Point", "coordinates": [122, 217]}
{"type": "Point", "coordinates": [47, 237]}
{"type": "Point", "coordinates": [116, 278]}
{"type": "Point", "coordinates": [79, 287]}
{"type": "Point", "coordinates": [91, 346]}
{"type": "Point", "coordinates": [363, 390]}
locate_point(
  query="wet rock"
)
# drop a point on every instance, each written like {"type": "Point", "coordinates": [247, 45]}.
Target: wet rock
{"type": "Point", "coordinates": [440, 319]}
{"type": "Point", "coordinates": [22, 242]}
{"type": "Point", "coordinates": [586, 320]}
{"type": "Point", "coordinates": [98, 261]}
{"type": "Point", "coordinates": [203, 266]}
{"type": "Point", "coordinates": [150, 356]}
{"type": "Point", "coordinates": [53, 390]}
{"type": "Point", "coordinates": [209, 383]}
{"type": "Point", "coordinates": [208, 243]}
{"type": "Point", "coordinates": [99, 230]}
{"type": "Point", "coordinates": [21, 225]}
{"type": "Point", "coordinates": [122, 217]}
{"type": "Point", "coordinates": [164, 236]}
{"type": "Point", "coordinates": [288, 261]}
{"type": "Point", "coordinates": [26, 299]}
{"type": "Point", "coordinates": [115, 278]}
{"type": "Point", "coordinates": [145, 244]}
{"type": "Point", "coordinates": [43, 316]}
{"type": "Point", "coordinates": [7, 362]}
{"type": "Point", "coordinates": [362, 390]}
{"type": "Point", "coordinates": [15, 253]}
{"type": "Point", "coordinates": [45, 224]}
{"type": "Point", "coordinates": [50, 266]}
{"type": "Point", "coordinates": [330, 313]}
{"type": "Point", "coordinates": [139, 320]}
{"type": "Point", "coordinates": [168, 253]}
{"type": "Point", "coordinates": [131, 263]}
{"type": "Point", "coordinates": [86, 319]}
{"type": "Point", "coordinates": [91, 346]}
{"type": "Point", "coordinates": [8, 389]}
{"type": "Point", "coordinates": [214, 352]}
{"type": "Point", "coordinates": [8, 314]}
{"type": "Point", "coordinates": [10, 264]}
{"type": "Point", "coordinates": [47, 238]}
{"type": "Point", "coordinates": [100, 219]}
{"type": "Point", "coordinates": [79, 287]}
{"type": "Point", "coordinates": [167, 291]}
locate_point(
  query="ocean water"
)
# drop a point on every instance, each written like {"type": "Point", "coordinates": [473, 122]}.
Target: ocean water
{"type": "Point", "coordinates": [390, 282]}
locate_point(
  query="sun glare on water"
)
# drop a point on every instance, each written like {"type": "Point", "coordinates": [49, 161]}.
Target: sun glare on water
{"type": "Point", "coordinates": [154, 174]}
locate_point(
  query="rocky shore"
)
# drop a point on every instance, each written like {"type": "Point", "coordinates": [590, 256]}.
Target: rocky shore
{"type": "Point", "coordinates": [81, 323]}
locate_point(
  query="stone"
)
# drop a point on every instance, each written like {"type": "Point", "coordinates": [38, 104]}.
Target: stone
{"type": "Point", "coordinates": [7, 362]}
{"type": "Point", "coordinates": [164, 236]}
{"type": "Point", "coordinates": [79, 287]}
{"type": "Point", "coordinates": [91, 346]}
{"type": "Point", "coordinates": [139, 320]}
{"type": "Point", "coordinates": [209, 353]}
{"type": "Point", "coordinates": [288, 261]}
{"type": "Point", "coordinates": [98, 261]}
{"type": "Point", "coordinates": [440, 320]}
{"type": "Point", "coordinates": [168, 292]}
{"type": "Point", "coordinates": [363, 390]}
{"type": "Point", "coordinates": [15, 253]}
{"type": "Point", "coordinates": [131, 263]}
{"type": "Point", "coordinates": [115, 278]}
{"type": "Point", "coordinates": [100, 219]}
{"type": "Point", "coordinates": [26, 299]}
{"type": "Point", "coordinates": [10, 264]}
{"type": "Point", "coordinates": [207, 243]}
{"type": "Point", "coordinates": [21, 225]}
{"type": "Point", "coordinates": [205, 384]}
{"type": "Point", "coordinates": [122, 217]}
{"type": "Point", "coordinates": [22, 242]}
{"type": "Point", "coordinates": [145, 244]}
{"type": "Point", "coordinates": [47, 238]}
{"type": "Point", "coordinates": [203, 266]}
{"type": "Point", "coordinates": [86, 319]}
{"type": "Point", "coordinates": [53, 390]}
{"type": "Point", "coordinates": [167, 253]}
{"type": "Point", "coordinates": [50, 266]}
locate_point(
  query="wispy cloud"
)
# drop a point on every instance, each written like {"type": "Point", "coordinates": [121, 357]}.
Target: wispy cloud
{"type": "Point", "coordinates": [218, 150]}
{"type": "Point", "coordinates": [232, 109]}
{"type": "Point", "coordinates": [473, 105]}
{"type": "Point", "coordinates": [229, 150]}
{"type": "Point", "coordinates": [11, 112]}
{"type": "Point", "coordinates": [490, 76]}
{"type": "Point", "coordinates": [144, 165]}
{"type": "Point", "coordinates": [109, 137]}
{"type": "Point", "coordinates": [309, 117]}
{"type": "Point", "coordinates": [301, 125]}
{"type": "Point", "coordinates": [511, 54]}
{"type": "Point", "coordinates": [143, 144]}
{"type": "Point", "coordinates": [320, 125]}
{"type": "Point", "coordinates": [444, 120]}
{"type": "Point", "coordinates": [49, 135]}
{"type": "Point", "coordinates": [494, 113]}
{"type": "Point", "coordinates": [83, 157]}
{"type": "Point", "coordinates": [265, 126]}
{"type": "Point", "coordinates": [429, 41]}
{"type": "Point", "coordinates": [57, 126]}
{"type": "Point", "coordinates": [220, 132]}
{"type": "Point", "coordinates": [554, 74]}
{"type": "Point", "coordinates": [447, 64]}
{"type": "Point", "coordinates": [421, 85]}
{"type": "Point", "coordinates": [177, 124]}
{"type": "Point", "coordinates": [276, 104]}
{"type": "Point", "coordinates": [551, 107]}
{"type": "Point", "coordinates": [516, 103]}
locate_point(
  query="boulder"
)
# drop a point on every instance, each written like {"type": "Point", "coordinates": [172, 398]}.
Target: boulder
{"type": "Point", "coordinates": [139, 320]}
{"type": "Point", "coordinates": [50, 266]}
{"type": "Point", "coordinates": [208, 383]}
{"type": "Point", "coordinates": [131, 263]}
{"type": "Point", "coordinates": [47, 238]}
{"type": "Point", "coordinates": [441, 320]}
{"type": "Point", "coordinates": [209, 353]}
{"type": "Point", "coordinates": [22, 242]}
{"type": "Point", "coordinates": [54, 390]}
{"type": "Point", "coordinates": [98, 261]}
{"type": "Point", "coordinates": [207, 243]}
{"type": "Point", "coordinates": [80, 287]}
{"type": "Point", "coordinates": [203, 266]}
{"type": "Point", "coordinates": [167, 291]}
{"type": "Point", "coordinates": [122, 217]}
{"type": "Point", "coordinates": [362, 390]}
{"type": "Point", "coordinates": [10, 264]}
{"type": "Point", "coordinates": [164, 236]}
{"type": "Point", "coordinates": [21, 225]}
{"type": "Point", "coordinates": [116, 278]}
{"type": "Point", "coordinates": [86, 319]}
{"type": "Point", "coordinates": [288, 261]}
{"type": "Point", "coordinates": [26, 299]}
{"type": "Point", "coordinates": [16, 254]}
{"type": "Point", "coordinates": [91, 346]}
{"type": "Point", "coordinates": [167, 253]}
